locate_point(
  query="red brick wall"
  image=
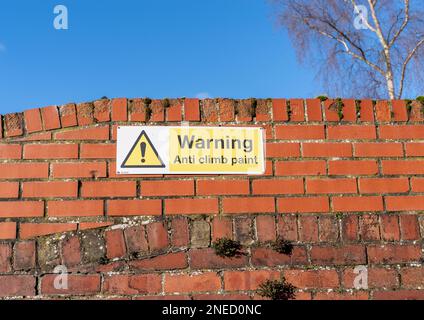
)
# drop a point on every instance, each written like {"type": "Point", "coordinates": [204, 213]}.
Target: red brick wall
{"type": "Point", "coordinates": [344, 183]}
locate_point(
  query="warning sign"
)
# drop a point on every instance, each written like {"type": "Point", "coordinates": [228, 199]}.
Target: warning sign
{"type": "Point", "coordinates": [190, 150]}
{"type": "Point", "coordinates": [143, 154]}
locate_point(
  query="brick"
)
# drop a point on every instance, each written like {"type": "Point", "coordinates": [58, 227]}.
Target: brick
{"type": "Point", "coordinates": [352, 168]}
{"type": "Point", "coordinates": [170, 261]}
{"type": "Point", "coordinates": [207, 259]}
{"type": "Point", "coordinates": [404, 203]}
{"type": "Point", "coordinates": [382, 111]}
{"type": "Point", "coordinates": [101, 112]}
{"type": "Point", "coordinates": [308, 229]}
{"type": "Point", "coordinates": [399, 295]}
{"type": "Point", "coordinates": [369, 227]}
{"type": "Point", "coordinates": [174, 112]}
{"type": "Point", "coordinates": [134, 207]}
{"type": "Point", "coordinates": [167, 188]}
{"type": "Point", "coordinates": [247, 280]}
{"type": "Point", "coordinates": [24, 170]}
{"type": "Point", "coordinates": [308, 279]}
{"type": "Point", "coordinates": [136, 239]}
{"type": "Point", "coordinates": [335, 296]}
{"type": "Point", "coordinates": [279, 110]}
{"type": "Point", "coordinates": [9, 190]}
{"type": "Point", "coordinates": [75, 208]}
{"type": "Point", "coordinates": [5, 258]}
{"type": "Point", "coordinates": [299, 132]}
{"type": "Point", "coordinates": [94, 225]}
{"type": "Point", "coordinates": [7, 231]}
{"type": "Point", "coordinates": [50, 189]}
{"type": "Point", "coordinates": [287, 227]}
{"type": "Point", "coordinates": [222, 228]}
{"type": "Point", "coordinates": [263, 109]}
{"type": "Point", "coordinates": [243, 230]}
{"type": "Point", "coordinates": [345, 255]}
{"type": "Point", "coordinates": [41, 136]}
{"type": "Point", "coordinates": [414, 149]}
{"type": "Point", "coordinates": [78, 284]}
{"type": "Point", "coordinates": [226, 110]}
{"type": "Point", "coordinates": [377, 278]}
{"type": "Point", "coordinates": [98, 151]}
{"type": "Point", "coordinates": [303, 205]}
{"type": "Point", "coordinates": [191, 206]}
{"type": "Point", "coordinates": [328, 229]}
{"type": "Point", "coordinates": [32, 230]}
{"type": "Point", "coordinates": [200, 233]}
{"type": "Point", "coordinates": [351, 132]}
{"type": "Point", "coordinates": [417, 113]}
{"type": "Point", "coordinates": [191, 109]}
{"type": "Point", "coordinates": [297, 110]}
{"type": "Point", "coordinates": [390, 228]}
{"type": "Point", "coordinates": [399, 110]}
{"type": "Point", "coordinates": [180, 232]}
{"type": "Point", "coordinates": [403, 132]}
{"type": "Point", "coordinates": [50, 151]}
{"type": "Point", "coordinates": [157, 108]}
{"type": "Point", "coordinates": [314, 109]}
{"type": "Point", "coordinates": [384, 185]}
{"type": "Point", "coordinates": [96, 133]}
{"type": "Point", "coordinates": [264, 187]}
{"type": "Point", "coordinates": [50, 117]}
{"type": "Point", "coordinates": [137, 110]}
{"type": "Point", "coordinates": [24, 255]}
{"type": "Point", "coordinates": [119, 109]}
{"type": "Point", "coordinates": [248, 205]}
{"type": "Point", "coordinates": [115, 244]}
{"type": "Point", "coordinates": [312, 150]}
{"type": "Point", "coordinates": [132, 284]}
{"type": "Point", "coordinates": [71, 251]}
{"type": "Point", "coordinates": [21, 209]}
{"type": "Point", "coordinates": [328, 186]}
{"type": "Point", "coordinates": [13, 124]}
{"type": "Point", "coordinates": [270, 258]}
{"type": "Point", "coordinates": [400, 167]}
{"type": "Point", "coordinates": [78, 170]}
{"type": "Point", "coordinates": [409, 227]}
{"type": "Point", "coordinates": [378, 149]}
{"type": "Point", "coordinates": [391, 253]}
{"type": "Point", "coordinates": [350, 228]}
{"type": "Point", "coordinates": [191, 283]}
{"type": "Point", "coordinates": [33, 120]}
{"type": "Point", "coordinates": [206, 187]}
{"type": "Point", "coordinates": [412, 277]}
{"type": "Point", "coordinates": [157, 236]}
{"type": "Point", "coordinates": [331, 111]}
{"type": "Point", "coordinates": [367, 111]}
{"type": "Point", "coordinates": [111, 189]}
{"type": "Point", "coordinates": [85, 113]}
{"type": "Point", "coordinates": [300, 168]}
{"type": "Point", "coordinates": [10, 151]}
{"type": "Point", "coordinates": [265, 228]}
{"type": "Point", "coordinates": [68, 115]}
{"type": "Point", "coordinates": [17, 285]}
{"type": "Point", "coordinates": [282, 150]}
{"type": "Point", "coordinates": [357, 204]}
{"type": "Point", "coordinates": [244, 110]}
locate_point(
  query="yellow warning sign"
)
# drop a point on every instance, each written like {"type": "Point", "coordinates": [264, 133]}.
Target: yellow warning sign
{"type": "Point", "coordinates": [190, 150]}
{"type": "Point", "coordinates": [143, 154]}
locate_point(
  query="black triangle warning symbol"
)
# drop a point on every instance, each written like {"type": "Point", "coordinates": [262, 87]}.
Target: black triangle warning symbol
{"type": "Point", "coordinates": [143, 154]}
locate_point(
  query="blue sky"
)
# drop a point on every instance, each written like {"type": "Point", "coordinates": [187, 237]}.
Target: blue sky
{"type": "Point", "coordinates": [140, 48]}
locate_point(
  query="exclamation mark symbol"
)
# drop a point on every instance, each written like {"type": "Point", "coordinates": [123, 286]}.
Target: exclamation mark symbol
{"type": "Point", "coordinates": [143, 151]}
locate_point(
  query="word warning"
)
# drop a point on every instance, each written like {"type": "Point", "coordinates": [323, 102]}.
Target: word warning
{"type": "Point", "coordinates": [190, 150]}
